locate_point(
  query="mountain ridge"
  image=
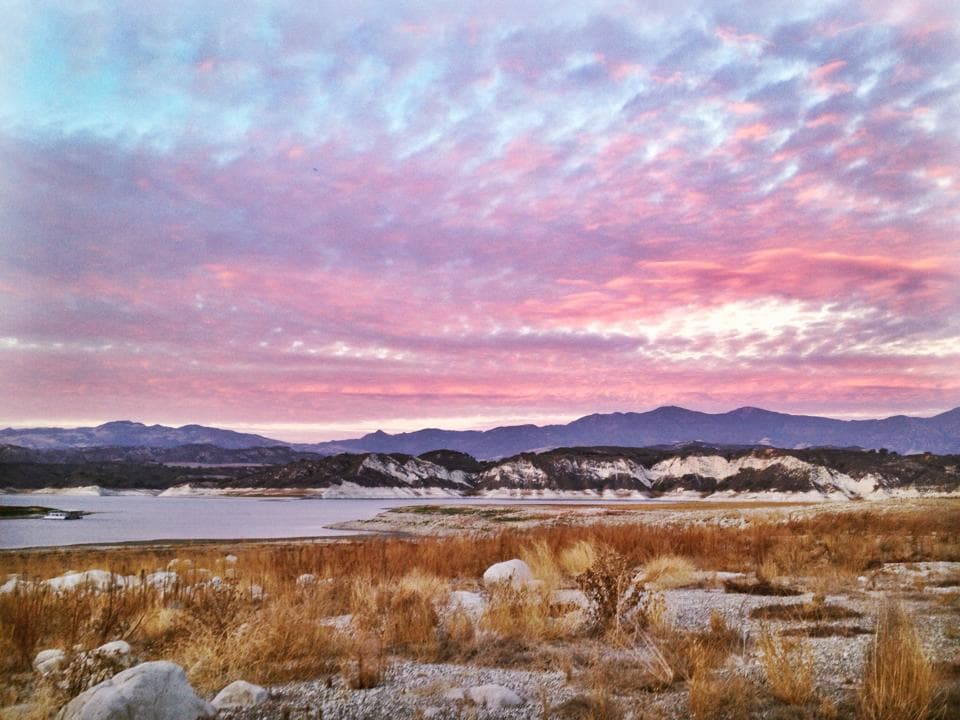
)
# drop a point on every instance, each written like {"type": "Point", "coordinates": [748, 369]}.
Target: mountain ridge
{"type": "Point", "coordinates": [665, 425]}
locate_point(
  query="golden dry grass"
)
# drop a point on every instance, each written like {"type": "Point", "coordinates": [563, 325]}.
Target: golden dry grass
{"type": "Point", "coordinates": [668, 571]}
{"type": "Point", "coordinates": [898, 681]}
{"type": "Point", "coordinates": [395, 588]}
{"type": "Point", "coordinates": [788, 665]}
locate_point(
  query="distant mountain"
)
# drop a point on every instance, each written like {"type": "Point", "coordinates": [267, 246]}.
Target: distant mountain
{"type": "Point", "coordinates": [123, 433]}
{"type": "Point", "coordinates": [675, 425]}
{"type": "Point", "coordinates": [665, 426]}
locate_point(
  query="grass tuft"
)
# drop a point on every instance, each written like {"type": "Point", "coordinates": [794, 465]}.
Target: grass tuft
{"type": "Point", "coordinates": [898, 679]}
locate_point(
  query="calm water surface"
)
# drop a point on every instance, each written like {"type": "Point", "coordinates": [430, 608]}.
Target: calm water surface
{"type": "Point", "coordinates": [127, 518]}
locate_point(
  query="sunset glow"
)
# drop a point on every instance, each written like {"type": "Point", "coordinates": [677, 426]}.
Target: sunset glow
{"type": "Point", "coordinates": [317, 223]}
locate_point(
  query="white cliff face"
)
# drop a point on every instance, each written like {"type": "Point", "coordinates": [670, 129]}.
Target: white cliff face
{"type": "Point", "coordinates": [518, 472]}
{"type": "Point", "coordinates": [826, 480]}
{"type": "Point", "coordinates": [600, 470]}
{"type": "Point", "coordinates": [413, 470]}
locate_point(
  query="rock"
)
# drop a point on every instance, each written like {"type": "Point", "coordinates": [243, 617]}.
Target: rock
{"type": "Point", "coordinates": [150, 691]}
{"type": "Point", "coordinates": [162, 579]}
{"type": "Point", "coordinates": [10, 585]}
{"type": "Point", "coordinates": [49, 661]}
{"type": "Point", "coordinates": [307, 579]}
{"type": "Point", "coordinates": [256, 593]}
{"type": "Point", "coordinates": [114, 648]}
{"type": "Point", "coordinates": [230, 559]}
{"type": "Point", "coordinates": [573, 599]}
{"type": "Point", "coordinates": [97, 579]}
{"type": "Point", "coordinates": [493, 697]}
{"type": "Point", "coordinates": [472, 603]}
{"type": "Point", "coordinates": [454, 694]}
{"type": "Point", "coordinates": [240, 694]}
{"type": "Point", "coordinates": [86, 669]}
{"type": "Point", "coordinates": [516, 572]}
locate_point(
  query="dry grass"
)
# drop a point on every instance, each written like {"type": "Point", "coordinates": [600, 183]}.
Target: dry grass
{"type": "Point", "coordinates": [720, 698]}
{"type": "Point", "coordinates": [898, 681]}
{"type": "Point", "coordinates": [544, 564]}
{"type": "Point", "coordinates": [668, 571]}
{"type": "Point", "coordinates": [576, 558]}
{"type": "Point", "coordinates": [788, 665]}
{"type": "Point", "coordinates": [520, 614]}
{"type": "Point", "coordinates": [395, 588]}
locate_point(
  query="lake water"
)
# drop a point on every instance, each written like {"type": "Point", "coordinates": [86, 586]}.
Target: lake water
{"type": "Point", "coordinates": [129, 518]}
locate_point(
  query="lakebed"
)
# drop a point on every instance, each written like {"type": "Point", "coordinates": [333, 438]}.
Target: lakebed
{"type": "Point", "coordinates": [410, 608]}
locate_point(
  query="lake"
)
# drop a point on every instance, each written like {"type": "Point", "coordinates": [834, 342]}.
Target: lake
{"type": "Point", "coordinates": [130, 518]}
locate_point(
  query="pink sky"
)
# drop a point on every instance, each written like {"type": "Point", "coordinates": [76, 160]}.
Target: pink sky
{"type": "Point", "coordinates": [314, 223]}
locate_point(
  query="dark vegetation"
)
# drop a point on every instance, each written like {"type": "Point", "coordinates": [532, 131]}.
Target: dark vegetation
{"type": "Point", "coordinates": [562, 469]}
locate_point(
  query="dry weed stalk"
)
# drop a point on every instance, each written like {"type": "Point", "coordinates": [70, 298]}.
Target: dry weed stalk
{"type": "Point", "coordinates": [898, 680]}
{"type": "Point", "coordinates": [788, 665]}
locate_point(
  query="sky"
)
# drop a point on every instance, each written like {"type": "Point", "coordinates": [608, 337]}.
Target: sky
{"type": "Point", "coordinates": [313, 220]}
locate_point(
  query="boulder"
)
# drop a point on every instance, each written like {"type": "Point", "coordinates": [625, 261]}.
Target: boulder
{"type": "Point", "coordinates": [240, 694]}
{"type": "Point", "coordinates": [149, 691]}
{"type": "Point", "coordinates": [516, 572]}
{"type": "Point", "coordinates": [49, 661]}
{"type": "Point", "coordinates": [307, 579]}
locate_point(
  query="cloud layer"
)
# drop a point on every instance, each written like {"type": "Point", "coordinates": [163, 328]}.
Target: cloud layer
{"type": "Point", "coordinates": [468, 213]}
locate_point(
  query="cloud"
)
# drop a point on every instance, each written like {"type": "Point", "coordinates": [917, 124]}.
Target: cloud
{"type": "Point", "coordinates": [441, 210]}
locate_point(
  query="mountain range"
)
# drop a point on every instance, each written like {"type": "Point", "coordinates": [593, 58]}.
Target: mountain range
{"type": "Point", "coordinates": [664, 426]}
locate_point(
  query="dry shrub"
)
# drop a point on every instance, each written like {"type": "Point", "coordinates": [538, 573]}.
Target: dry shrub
{"type": "Point", "coordinates": [719, 698]}
{"type": "Point", "coordinates": [669, 571]}
{"type": "Point", "coordinates": [788, 665]}
{"type": "Point", "coordinates": [898, 679]}
{"type": "Point", "coordinates": [618, 601]}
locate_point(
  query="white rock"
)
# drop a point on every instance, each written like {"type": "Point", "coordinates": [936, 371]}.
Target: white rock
{"type": "Point", "coordinates": [240, 694]}
{"type": "Point", "coordinates": [256, 592]}
{"type": "Point", "coordinates": [11, 584]}
{"type": "Point", "coordinates": [493, 697]}
{"type": "Point", "coordinates": [307, 579]}
{"type": "Point", "coordinates": [97, 579]}
{"type": "Point", "coordinates": [150, 691]}
{"type": "Point", "coordinates": [162, 579]}
{"type": "Point", "coordinates": [516, 572]}
{"type": "Point", "coordinates": [230, 559]}
{"type": "Point", "coordinates": [575, 598]}
{"type": "Point", "coordinates": [116, 647]}
{"type": "Point", "coordinates": [48, 661]}
{"type": "Point", "coordinates": [340, 623]}
{"type": "Point", "coordinates": [472, 603]}
{"type": "Point", "coordinates": [454, 694]}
